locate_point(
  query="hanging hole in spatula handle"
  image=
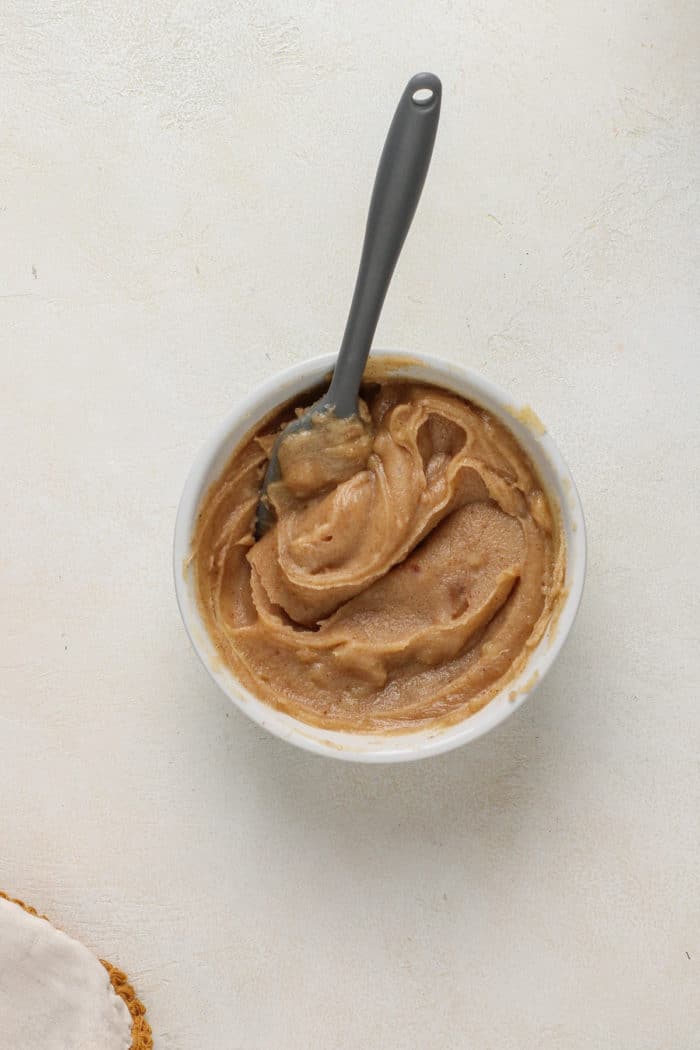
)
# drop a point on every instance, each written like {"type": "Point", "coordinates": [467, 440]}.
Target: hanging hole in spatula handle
{"type": "Point", "coordinates": [425, 89]}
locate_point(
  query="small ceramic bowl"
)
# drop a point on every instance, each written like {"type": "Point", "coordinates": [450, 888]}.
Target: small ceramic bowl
{"type": "Point", "coordinates": [403, 746]}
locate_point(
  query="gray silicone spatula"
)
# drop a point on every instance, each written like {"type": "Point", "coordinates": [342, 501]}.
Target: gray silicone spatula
{"type": "Point", "coordinates": [397, 188]}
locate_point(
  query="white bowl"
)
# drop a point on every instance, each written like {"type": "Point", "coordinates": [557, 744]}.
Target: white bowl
{"type": "Point", "coordinates": [386, 747]}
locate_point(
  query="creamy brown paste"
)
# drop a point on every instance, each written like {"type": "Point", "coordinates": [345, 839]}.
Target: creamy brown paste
{"type": "Point", "coordinates": [415, 562]}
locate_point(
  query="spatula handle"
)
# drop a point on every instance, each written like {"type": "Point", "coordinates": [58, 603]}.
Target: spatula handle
{"type": "Point", "coordinates": [397, 188]}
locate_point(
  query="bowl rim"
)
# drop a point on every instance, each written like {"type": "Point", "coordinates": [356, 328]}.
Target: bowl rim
{"type": "Point", "coordinates": [403, 745]}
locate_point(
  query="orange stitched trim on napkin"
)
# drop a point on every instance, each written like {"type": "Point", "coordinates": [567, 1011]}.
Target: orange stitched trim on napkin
{"type": "Point", "coordinates": [141, 1036]}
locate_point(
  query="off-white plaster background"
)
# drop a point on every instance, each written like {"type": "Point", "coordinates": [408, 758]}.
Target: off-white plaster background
{"type": "Point", "coordinates": [183, 187]}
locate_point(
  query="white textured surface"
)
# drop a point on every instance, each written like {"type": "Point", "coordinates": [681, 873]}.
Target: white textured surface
{"type": "Point", "coordinates": [182, 195]}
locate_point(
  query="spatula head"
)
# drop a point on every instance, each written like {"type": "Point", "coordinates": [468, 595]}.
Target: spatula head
{"type": "Point", "coordinates": [265, 513]}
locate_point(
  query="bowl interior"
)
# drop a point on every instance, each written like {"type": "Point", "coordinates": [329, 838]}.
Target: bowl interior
{"type": "Point", "coordinates": [531, 434]}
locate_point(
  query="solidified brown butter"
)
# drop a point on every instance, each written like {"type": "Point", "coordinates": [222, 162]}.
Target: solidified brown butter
{"type": "Point", "coordinates": [415, 561]}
